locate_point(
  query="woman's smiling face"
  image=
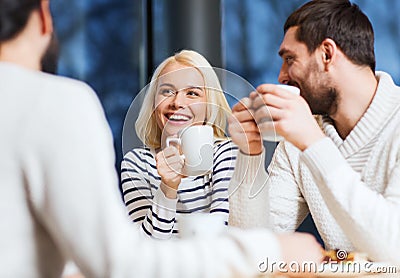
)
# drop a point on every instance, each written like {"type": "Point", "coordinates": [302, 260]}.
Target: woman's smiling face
{"type": "Point", "coordinates": [180, 99]}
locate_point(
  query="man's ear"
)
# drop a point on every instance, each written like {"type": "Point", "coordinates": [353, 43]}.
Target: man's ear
{"type": "Point", "coordinates": [45, 16]}
{"type": "Point", "coordinates": [328, 51]}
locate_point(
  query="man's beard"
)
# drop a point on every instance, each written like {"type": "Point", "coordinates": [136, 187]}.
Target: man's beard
{"type": "Point", "coordinates": [319, 94]}
{"type": "Point", "coordinates": [49, 60]}
{"type": "Point", "coordinates": [323, 101]}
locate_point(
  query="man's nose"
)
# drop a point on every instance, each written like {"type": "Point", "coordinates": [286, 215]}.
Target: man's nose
{"type": "Point", "coordinates": [283, 77]}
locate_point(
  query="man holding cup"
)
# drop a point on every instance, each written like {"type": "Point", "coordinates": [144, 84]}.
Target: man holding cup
{"type": "Point", "coordinates": [343, 168]}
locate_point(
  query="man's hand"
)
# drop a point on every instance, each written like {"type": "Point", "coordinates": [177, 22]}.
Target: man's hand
{"type": "Point", "coordinates": [292, 117]}
{"type": "Point", "coordinates": [301, 249]}
{"type": "Point", "coordinates": [243, 128]}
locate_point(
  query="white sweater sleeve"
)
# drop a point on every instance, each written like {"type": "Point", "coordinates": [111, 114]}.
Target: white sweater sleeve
{"type": "Point", "coordinates": [248, 195]}
{"type": "Point", "coordinates": [74, 195]}
{"type": "Point", "coordinates": [370, 220]}
{"type": "Point", "coordinates": [279, 203]}
{"type": "Point", "coordinates": [287, 205]}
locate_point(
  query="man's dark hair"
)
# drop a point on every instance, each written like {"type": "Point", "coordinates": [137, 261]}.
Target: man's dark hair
{"type": "Point", "coordinates": [14, 15]}
{"type": "Point", "coordinates": [340, 21]}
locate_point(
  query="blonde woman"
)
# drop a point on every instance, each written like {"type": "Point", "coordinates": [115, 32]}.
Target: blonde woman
{"type": "Point", "coordinates": [184, 91]}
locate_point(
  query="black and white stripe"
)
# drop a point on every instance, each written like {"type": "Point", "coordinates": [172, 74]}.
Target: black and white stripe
{"type": "Point", "coordinates": [157, 216]}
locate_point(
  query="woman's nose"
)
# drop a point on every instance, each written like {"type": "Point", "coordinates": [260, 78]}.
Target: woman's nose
{"type": "Point", "coordinates": [179, 100]}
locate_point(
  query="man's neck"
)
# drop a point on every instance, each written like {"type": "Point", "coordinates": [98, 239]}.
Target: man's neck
{"type": "Point", "coordinates": [356, 91]}
{"type": "Point", "coordinates": [25, 49]}
{"type": "Point", "coordinates": [19, 53]}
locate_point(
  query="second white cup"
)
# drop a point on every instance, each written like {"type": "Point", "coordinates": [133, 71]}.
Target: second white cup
{"type": "Point", "coordinates": [271, 135]}
{"type": "Point", "coordinates": [201, 225]}
{"type": "Point", "coordinates": [197, 148]}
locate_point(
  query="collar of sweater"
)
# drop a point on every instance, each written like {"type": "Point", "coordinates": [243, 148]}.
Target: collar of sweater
{"type": "Point", "coordinates": [384, 105]}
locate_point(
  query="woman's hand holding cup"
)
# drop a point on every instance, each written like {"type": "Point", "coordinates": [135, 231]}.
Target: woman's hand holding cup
{"type": "Point", "coordinates": [169, 163]}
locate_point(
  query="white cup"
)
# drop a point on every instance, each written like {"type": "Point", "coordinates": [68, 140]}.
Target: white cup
{"type": "Point", "coordinates": [197, 143]}
{"type": "Point", "coordinates": [271, 135]}
{"type": "Point", "coordinates": [201, 225]}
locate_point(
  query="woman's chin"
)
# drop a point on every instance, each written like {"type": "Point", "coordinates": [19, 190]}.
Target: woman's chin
{"type": "Point", "coordinates": [174, 128]}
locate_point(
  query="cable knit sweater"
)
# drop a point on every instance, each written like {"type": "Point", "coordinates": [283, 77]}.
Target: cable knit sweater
{"type": "Point", "coordinates": [351, 187]}
{"type": "Point", "coordinates": [59, 196]}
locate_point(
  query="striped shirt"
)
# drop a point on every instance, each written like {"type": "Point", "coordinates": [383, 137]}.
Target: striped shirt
{"type": "Point", "coordinates": [156, 214]}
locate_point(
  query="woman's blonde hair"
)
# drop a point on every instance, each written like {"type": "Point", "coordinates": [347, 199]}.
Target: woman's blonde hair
{"type": "Point", "coordinates": [218, 108]}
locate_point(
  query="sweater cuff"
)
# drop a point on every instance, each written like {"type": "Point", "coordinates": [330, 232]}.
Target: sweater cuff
{"type": "Point", "coordinates": [162, 201]}
{"type": "Point", "coordinates": [322, 158]}
{"type": "Point", "coordinates": [249, 168]}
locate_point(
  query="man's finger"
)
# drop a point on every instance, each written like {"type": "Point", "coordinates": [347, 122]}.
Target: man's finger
{"type": "Point", "coordinates": [246, 127]}
{"type": "Point", "coordinates": [267, 113]}
{"type": "Point", "coordinates": [243, 104]}
{"type": "Point", "coordinates": [242, 116]}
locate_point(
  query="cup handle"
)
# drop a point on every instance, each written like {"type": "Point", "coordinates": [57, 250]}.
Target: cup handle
{"type": "Point", "coordinates": [173, 139]}
{"type": "Point", "coordinates": [176, 140]}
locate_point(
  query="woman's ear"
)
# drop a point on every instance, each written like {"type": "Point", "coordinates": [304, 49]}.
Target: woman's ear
{"type": "Point", "coordinates": [45, 15]}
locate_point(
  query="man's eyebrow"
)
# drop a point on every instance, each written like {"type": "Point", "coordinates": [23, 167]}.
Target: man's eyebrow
{"type": "Point", "coordinates": [283, 51]}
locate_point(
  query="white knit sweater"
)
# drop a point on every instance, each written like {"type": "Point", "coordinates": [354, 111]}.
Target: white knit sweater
{"type": "Point", "coordinates": [59, 196]}
{"type": "Point", "coordinates": [351, 187]}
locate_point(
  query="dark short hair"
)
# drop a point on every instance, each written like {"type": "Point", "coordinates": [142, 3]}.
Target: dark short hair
{"type": "Point", "coordinates": [339, 20]}
{"type": "Point", "coordinates": [14, 15]}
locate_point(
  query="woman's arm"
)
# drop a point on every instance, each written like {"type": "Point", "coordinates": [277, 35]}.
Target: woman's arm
{"type": "Point", "coordinates": [225, 153]}
{"type": "Point", "coordinates": [144, 199]}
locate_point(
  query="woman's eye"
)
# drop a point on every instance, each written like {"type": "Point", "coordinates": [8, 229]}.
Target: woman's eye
{"type": "Point", "coordinates": [167, 92]}
{"type": "Point", "coordinates": [193, 93]}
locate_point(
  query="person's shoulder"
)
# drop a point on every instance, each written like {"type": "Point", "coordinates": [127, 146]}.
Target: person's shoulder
{"type": "Point", "coordinates": [43, 87]}
{"type": "Point", "coordinates": [70, 106]}
{"type": "Point", "coordinates": [142, 153]}
{"type": "Point", "coordinates": [222, 144]}
{"type": "Point", "coordinates": [138, 158]}
{"type": "Point", "coordinates": [66, 88]}
{"type": "Point", "coordinates": [60, 95]}
{"type": "Point", "coordinates": [223, 148]}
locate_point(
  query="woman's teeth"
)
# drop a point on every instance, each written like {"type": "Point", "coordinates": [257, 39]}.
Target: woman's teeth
{"type": "Point", "coordinates": [179, 118]}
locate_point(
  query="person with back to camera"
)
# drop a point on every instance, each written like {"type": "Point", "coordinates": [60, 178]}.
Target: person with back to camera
{"type": "Point", "coordinates": [184, 91]}
{"type": "Point", "coordinates": [59, 194]}
{"type": "Point", "coordinates": [345, 169]}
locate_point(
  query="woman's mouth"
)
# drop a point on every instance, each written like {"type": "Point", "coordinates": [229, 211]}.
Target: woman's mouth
{"type": "Point", "coordinates": [178, 117]}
